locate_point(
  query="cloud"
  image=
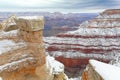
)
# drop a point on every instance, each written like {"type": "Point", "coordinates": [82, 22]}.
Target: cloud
{"type": "Point", "coordinates": [91, 3]}
{"type": "Point", "coordinates": [60, 4]}
{"type": "Point", "coordinates": [27, 3]}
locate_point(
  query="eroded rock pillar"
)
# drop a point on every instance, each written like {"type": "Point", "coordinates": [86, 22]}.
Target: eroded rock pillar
{"type": "Point", "coordinates": [31, 31]}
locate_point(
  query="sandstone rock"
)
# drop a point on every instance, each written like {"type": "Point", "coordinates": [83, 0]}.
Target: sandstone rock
{"type": "Point", "coordinates": [22, 53]}
{"type": "Point", "coordinates": [21, 63]}
{"type": "Point", "coordinates": [9, 24]}
{"type": "Point", "coordinates": [90, 74]}
{"type": "Point", "coordinates": [56, 69]}
{"type": "Point", "coordinates": [10, 27]}
{"type": "Point", "coordinates": [60, 76]}
{"type": "Point", "coordinates": [0, 26]}
{"type": "Point", "coordinates": [30, 23]}
{"type": "Point", "coordinates": [97, 70]}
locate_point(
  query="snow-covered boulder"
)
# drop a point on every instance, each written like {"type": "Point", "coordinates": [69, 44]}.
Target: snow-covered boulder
{"type": "Point", "coordinates": [56, 69]}
{"type": "Point", "coordinates": [97, 70]}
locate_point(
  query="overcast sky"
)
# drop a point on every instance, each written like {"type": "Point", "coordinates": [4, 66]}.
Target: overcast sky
{"type": "Point", "coordinates": [59, 5]}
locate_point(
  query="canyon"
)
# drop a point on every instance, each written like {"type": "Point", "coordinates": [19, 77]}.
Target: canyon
{"type": "Point", "coordinates": [27, 55]}
{"type": "Point", "coordinates": [97, 38]}
{"type": "Point", "coordinates": [55, 22]}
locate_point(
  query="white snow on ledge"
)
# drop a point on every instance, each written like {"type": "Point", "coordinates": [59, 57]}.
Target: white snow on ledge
{"type": "Point", "coordinates": [7, 45]}
{"type": "Point", "coordinates": [1, 78]}
{"type": "Point", "coordinates": [106, 71]}
{"type": "Point", "coordinates": [15, 63]}
{"type": "Point", "coordinates": [8, 34]}
{"type": "Point", "coordinates": [31, 17]}
{"type": "Point", "coordinates": [55, 66]}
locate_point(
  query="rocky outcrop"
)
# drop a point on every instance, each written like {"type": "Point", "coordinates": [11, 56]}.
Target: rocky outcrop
{"type": "Point", "coordinates": [22, 53]}
{"type": "Point", "coordinates": [9, 24]}
{"type": "Point", "coordinates": [25, 56]}
{"type": "Point", "coordinates": [56, 69]}
{"type": "Point", "coordinates": [95, 39]}
{"type": "Point", "coordinates": [90, 74]}
{"type": "Point", "coordinates": [97, 70]}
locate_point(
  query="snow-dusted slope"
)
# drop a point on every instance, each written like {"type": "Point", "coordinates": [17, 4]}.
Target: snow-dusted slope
{"type": "Point", "coordinates": [106, 71]}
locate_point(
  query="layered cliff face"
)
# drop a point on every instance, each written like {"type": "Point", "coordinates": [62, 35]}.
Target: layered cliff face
{"type": "Point", "coordinates": [96, 39]}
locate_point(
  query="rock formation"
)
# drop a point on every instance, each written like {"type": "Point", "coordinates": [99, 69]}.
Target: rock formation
{"type": "Point", "coordinates": [23, 62]}
{"type": "Point", "coordinates": [22, 52]}
{"type": "Point", "coordinates": [9, 24]}
{"type": "Point", "coordinates": [95, 39]}
{"type": "Point", "coordinates": [96, 70]}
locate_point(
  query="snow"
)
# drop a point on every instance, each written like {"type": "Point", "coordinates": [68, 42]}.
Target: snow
{"type": "Point", "coordinates": [74, 79]}
{"type": "Point", "coordinates": [109, 16]}
{"type": "Point", "coordinates": [106, 71]}
{"type": "Point", "coordinates": [55, 66]}
{"type": "Point", "coordinates": [104, 24]}
{"type": "Point", "coordinates": [77, 54]}
{"type": "Point", "coordinates": [105, 43]}
{"type": "Point", "coordinates": [8, 34]}
{"type": "Point", "coordinates": [12, 23]}
{"type": "Point", "coordinates": [1, 78]}
{"type": "Point", "coordinates": [116, 60]}
{"type": "Point", "coordinates": [15, 63]}
{"type": "Point", "coordinates": [96, 31]}
{"type": "Point", "coordinates": [31, 17]}
{"type": "Point", "coordinates": [7, 45]}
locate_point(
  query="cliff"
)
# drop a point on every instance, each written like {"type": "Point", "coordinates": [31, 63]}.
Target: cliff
{"type": "Point", "coordinates": [95, 39]}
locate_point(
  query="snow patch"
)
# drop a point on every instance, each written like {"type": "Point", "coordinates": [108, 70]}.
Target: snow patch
{"type": "Point", "coordinates": [31, 17]}
{"type": "Point", "coordinates": [107, 71]}
{"type": "Point", "coordinates": [96, 31]}
{"type": "Point", "coordinates": [10, 33]}
{"type": "Point", "coordinates": [74, 79]}
{"type": "Point", "coordinates": [10, 65]}
{"type": "Point", "coordinates": [7, 45]}
{"type": "Point", "coordinates": [1, 78]}
{"type": "Point", "coordinates": [55, 66]}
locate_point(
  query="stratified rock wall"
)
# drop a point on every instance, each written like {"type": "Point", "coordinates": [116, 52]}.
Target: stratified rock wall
{"type": "Point", "coordinates": [95, 39]}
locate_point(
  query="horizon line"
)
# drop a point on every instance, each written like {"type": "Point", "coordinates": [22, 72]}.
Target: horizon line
{"type": "Point", "coordinates": [55, 10]}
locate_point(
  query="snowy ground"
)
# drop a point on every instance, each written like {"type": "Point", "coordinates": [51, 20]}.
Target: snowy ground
{"type": "Point", "coordinates": [74, 79]}
{"type": "Point", "coordinates": [1, 78]}
{"type": "Point", "coordinates": [106, 71]}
